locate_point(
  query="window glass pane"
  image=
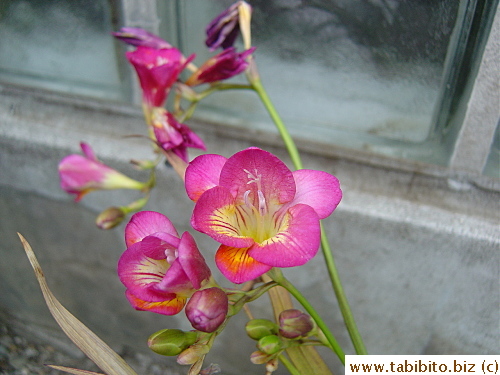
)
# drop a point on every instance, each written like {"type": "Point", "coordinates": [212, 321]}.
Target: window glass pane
{"type": "Point", "coordinates": [61, 45]}
{"type": "Point", "coordinates": [366, 74]}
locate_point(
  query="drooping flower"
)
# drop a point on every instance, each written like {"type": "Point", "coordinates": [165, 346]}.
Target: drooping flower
{"type": "Point", "coordinates": [173, 135]}
{"type": "Point", "coordinates": [263, 214]}
{"type": "Point", "coordinates": [158, 69]}
{"type": "Point", "coordinates": [223, 30]}
{"type": "Point", "coordinates": [159, 269]}
{"type": "Point", "coordinates": [81, 174]}
{"type": "Point", "coordinates": [139, 37]}
{"type": "Point", "coordinates": [207, 309]}
{"type": "Point", "coordinates": [222, 66]}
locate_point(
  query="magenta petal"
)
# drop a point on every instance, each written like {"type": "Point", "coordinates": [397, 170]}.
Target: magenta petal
{"type": "Point", "coordinates": [202, 174]}
{"type": "Point", "coordinates": [215, 215]}
{"type": "Point", "coordinates": [317, 189]}
{"type": "Point", "coordinates": [154, 246]}
{"type": "Point", "coordinates": [175, 280]}
{"type": "Point", "coordinates": [88, 152]}
{"type": "Point", "coordinates": [169, 306]}
{"type": "Point", "coordinates": [237, 266]}
{"type": "Point", "coordinates": [145, 223]}
{"type": "Point", "coordinates": [295, 245]}
{"type": "Point", "coordinates": [192, 261]}
{"type": "Point", "coordinates": [255, 169]}
{"type": "Point", "coordinates": [140, 274]}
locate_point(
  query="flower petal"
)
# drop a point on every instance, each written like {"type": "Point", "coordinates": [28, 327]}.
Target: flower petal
{"type": "Point", "coordinates": [202, 174]}
{"type": "Point", "coordinates": [296, 244]}
{"type": "Point", "coordinates": [317, 189]}
{"type": "Point", "coordinates": [154, 246]}
{"type": "Point", "coordinates": [192, 261]}
{"type": "Point", "coordinates": [216, 215]}
{"type": "Point", "coordinates": [145, 223]}
{"type": "Point", "coordinates": [237, 265]}
{"type": "Point", "coordinates": [255, 169]}
{"type": "Point", "coordinates": [140, 274]}
{"type": "Point", "coordinates": [167, 307]}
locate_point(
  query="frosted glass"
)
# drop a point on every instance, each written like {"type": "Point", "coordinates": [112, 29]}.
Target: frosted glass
{"type": "Point", "coordinates": [360, 73]}
{"type": "Point", "coordinates": [59, 45]}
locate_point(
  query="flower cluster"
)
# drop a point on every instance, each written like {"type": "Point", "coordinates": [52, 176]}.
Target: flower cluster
{"type": "Point", "coordinates": [263, 215]}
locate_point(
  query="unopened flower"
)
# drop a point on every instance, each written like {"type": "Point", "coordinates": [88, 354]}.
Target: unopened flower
{"type": "Point", "coordinates": [225, 65]}
{"type": "Point", "coordinates": [139, 37]}
{"type": "Point", "coordinates": [171, 342]}
{"type": "Point", "coordinates": [172, 135]}
{"type": "Point", "coordinates": [258, 328]}
{"type": "Point", "coordinates": [263, 214]}
{"type": "Point", "coordinates": [158, 70]}
{"type": "Point", "coordinates": [294, 323]}
{"type": "Point", "coordinates": [224, 29]}
{"type": "Point", "coordinates": [193, 354]}
{"type": "Point", "coordinates": [80, 175]}
{"type": "Point", "coordinates": [110, 217]}
{"type": "Point", "coordinates": [207, 309]}
{"type": "Point", "coordinates": [159, 269]}
{"type": "Point", "coordinates": [270, 344]}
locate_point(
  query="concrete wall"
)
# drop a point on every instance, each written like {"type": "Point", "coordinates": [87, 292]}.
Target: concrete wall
{"type": "Point", "coordinates": [417, 252]}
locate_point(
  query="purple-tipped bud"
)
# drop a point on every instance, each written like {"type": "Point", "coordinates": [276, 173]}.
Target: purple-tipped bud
{"type": "Point", "coordinates": [110, 218]}
{"type": "Point", "coordinates": [258, 328]}
{"type": "Point", "coordinates": [207, 309]}
{"type": "Point", "coordinates": [224, 65]}
{"type": "Point", "coordinates": [294, 324]}
{"type": "Point", "coordinates": [140, 37]}
{"type": "Point", "coordinates": [270, 344]}
{"type": "Point", "coordinates": [171, 341]}
{"type": "Point", "coordinates": [224, 29]}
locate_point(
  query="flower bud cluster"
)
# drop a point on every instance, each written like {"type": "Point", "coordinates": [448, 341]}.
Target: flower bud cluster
{"type": "Point", "coordinates": [293, 325]}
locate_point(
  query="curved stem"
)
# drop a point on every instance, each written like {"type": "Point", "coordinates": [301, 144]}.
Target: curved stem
{"type": "Point", "coordinates": [351, 326]}
{"type": "Point", "coordinates": [327, 253]}
{"type": "Point", "coordinates": [289, 143]}
{"type": "Point", "coordinates": [277, 276]}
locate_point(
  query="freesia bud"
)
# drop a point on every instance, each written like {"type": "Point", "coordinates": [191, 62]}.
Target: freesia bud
{"type": "Point", "coordinates": [294, 324]}
{"type": "Point", "coordinates": [82, 174]}
{"type": "Point", "coordinates": [192, 354]}
{"type": "Point", "coordinates": [259, 358]}
{"type": "Point", "coordinates": [269, 344]}
{"type": "Point", "coordinates": [171, 341]}
{"type": "Point", "coordinates": [223, 30]}
{"type": "Point", "coordinates": [140, 37]}
{"type": "Point", "coordinates": [207, 309]}
{"type": "Point", "coordinates": [259, 328]}
{"type": "Point", "coordinates": [110, 218]}
{"type": "Point", "coordinates": [225, 65]}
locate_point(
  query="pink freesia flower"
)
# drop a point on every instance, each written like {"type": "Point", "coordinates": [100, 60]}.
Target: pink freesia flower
{"type": "Point", "coordinates": [225, 65]}
{"type": "Point", "coordinates": [82, 174]}
{"type": "Point", "coordinates": [158, 69]}
{"type": "Point", "coordinates": [140, 37]}
{"type": "Point", "coordinates": [172, 135]}
{"type": "Point", "coordinates": [263, 214]}
{"type": "Point", "coordinates": [159, 269]}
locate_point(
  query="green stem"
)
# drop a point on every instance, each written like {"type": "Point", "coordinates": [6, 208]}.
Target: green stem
{"type": "Point", "coordinates": [327, 253]}
{"type": "Point", "coordinates": [289, 366]}
{"type": "Point", "coordinates": [289, 143]}
{"type": "Point", "coordinates": [277, 276]}
{"type": "Point", "coordinates": [351, 326]}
